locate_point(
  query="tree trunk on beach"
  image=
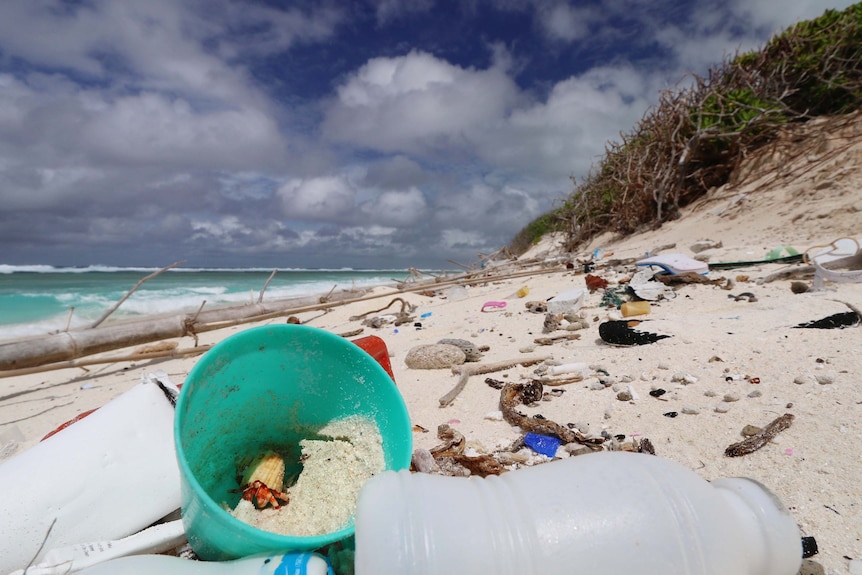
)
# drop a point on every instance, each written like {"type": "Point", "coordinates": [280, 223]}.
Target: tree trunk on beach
{"type": "Point", "coordinates": [74, 344]}
{"type": "Point", "coordinates": [67, 345]}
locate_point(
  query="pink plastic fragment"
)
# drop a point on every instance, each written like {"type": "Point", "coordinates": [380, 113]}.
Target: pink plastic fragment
{"type": "Point", "coordinates": [494, 305]}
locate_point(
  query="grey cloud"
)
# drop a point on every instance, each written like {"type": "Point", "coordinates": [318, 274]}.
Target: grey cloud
{"type": "Point", "coordinates": [154, 129]}
{"type": "Point", "coordinates": [396, 208]}
{"type": "Point", "coordinates": [324, 198]}
{"type": "Point", "coordinates": [397, 172]}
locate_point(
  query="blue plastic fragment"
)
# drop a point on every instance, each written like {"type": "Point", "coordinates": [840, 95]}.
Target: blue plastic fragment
{"type": "Point", "coordinates": [544, 444]}
{"type": "Point", "coordinates": [426, 314]}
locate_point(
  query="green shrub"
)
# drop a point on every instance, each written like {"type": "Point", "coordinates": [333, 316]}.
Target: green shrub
{"type": "Point", "coordinates": [695, 137]}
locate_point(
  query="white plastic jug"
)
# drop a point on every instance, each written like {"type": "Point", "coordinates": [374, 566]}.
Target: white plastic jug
{"type": "Point", "coordinates": [606, 513]}
{"type": "Point", "coordinates": [107, 476]}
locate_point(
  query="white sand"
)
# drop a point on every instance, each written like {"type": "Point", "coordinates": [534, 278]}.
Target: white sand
{"type": "Point", "coordinates": [814, 467]}
{"type": "Point", "coordinates": [323, 499]}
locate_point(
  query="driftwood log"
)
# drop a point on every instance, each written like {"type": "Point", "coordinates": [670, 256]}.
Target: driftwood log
{"type": "Point", "coordinates": [69, 345]}
{"type": "Point", "coordinates": [74, 344]}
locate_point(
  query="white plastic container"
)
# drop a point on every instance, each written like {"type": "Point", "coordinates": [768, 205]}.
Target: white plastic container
{"type": "Point", "coordinates": [271, 564]}
{"type": "Point", "coordinates": [107, 476]}
{"type": "Point", "coordinates": [577, 368]}
{"type": "Point", "coordinates": [608, 513]}
{"type": "Point", "coordinates": [567, 302]}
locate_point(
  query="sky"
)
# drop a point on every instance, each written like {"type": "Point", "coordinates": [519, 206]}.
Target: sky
{"type": "Point", "coordinates": [378, 134]}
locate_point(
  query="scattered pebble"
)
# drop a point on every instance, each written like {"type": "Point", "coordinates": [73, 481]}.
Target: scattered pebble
{"type": "Point", "coordinates": [824, 379]}
{"type": "Point", "coordinates": [663, 365]}
{"type": "Point", "coordinates": [574, 449]}
{"type": "Point", "coordinates": [750, 430]}
{"type": "Point", "coordinates": [722, 408]}
{"type": "Point", "coordinates": [755, 393]}
{"type": "Point", "coordinates": [670, 414]}
{"type": "Point", "coordinates": [494, 416]}
{"type": "Point", "coordinates": [424, 462]}
{"type": "Point", "coordinates": [710, 393]}
{"type": "Point", "coordinates": [688, 410]}
{"type": "Point", "coordinates": [596, 386]}
{"type": "Point", "coordinates": [731, 397]}
{"type": "Point", "coordinates": [471, 352]}
{"type": "Point", "coordinates": [657, 392]}
{"type": "Point", "coordinates": [624, 395]}
{"type": "Point", "coordinates": [801, 379]}
{"type": "Point", "coordinates": [527, 349]}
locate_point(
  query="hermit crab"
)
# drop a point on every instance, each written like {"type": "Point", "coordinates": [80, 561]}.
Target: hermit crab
{"type": "Point", "coordinates": [264, 481]}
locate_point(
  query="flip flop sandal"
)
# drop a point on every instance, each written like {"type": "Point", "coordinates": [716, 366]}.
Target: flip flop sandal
{"type": "Point", "coordinates": [622, 333]}
{"type": "Point", "coordinates": [675, 264]}
{"type": "Point", "coordinates": [493, 305]}
{"type": "Point", "coordinates": [835, 321]}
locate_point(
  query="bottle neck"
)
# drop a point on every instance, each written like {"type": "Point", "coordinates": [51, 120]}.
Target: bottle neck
{"type": "Point", "coordinates": [772, 538]}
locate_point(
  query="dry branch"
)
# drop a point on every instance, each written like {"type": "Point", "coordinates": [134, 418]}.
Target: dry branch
{"type": "Point", "coordinates": [465, 371]}
{"type": "Point", "coordinates": [170, 353]}
{"type": "Point", "coordinates": [131, 291]}
{"type": "Point", "coordinates": [265, 284]}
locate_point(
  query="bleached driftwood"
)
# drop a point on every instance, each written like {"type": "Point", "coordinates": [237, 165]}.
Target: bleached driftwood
{"type": "Point", "coordinates": [164, 354]}
{"type": "Point", "coordinates": [131, 291]}
{"type": "Point", "coordinates": [265, 285]}
{"type": "Point", "coordinates": [465, 371]}
{"type": "Point", "coordinates": [74, 344]}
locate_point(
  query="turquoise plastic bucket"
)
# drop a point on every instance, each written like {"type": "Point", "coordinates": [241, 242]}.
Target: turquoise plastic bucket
{"type": "Point", "coordinates": [268, 388]}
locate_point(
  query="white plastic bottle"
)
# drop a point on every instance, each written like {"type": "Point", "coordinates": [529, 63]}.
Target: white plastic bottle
{"type": "Point", "coordinates": [607, 513]}
{"type": "Point", "coordinates": [271, 564]}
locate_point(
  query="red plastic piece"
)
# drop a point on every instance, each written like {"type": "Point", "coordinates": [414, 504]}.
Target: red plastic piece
{"type": "Point", "coordinates": [376, 348]}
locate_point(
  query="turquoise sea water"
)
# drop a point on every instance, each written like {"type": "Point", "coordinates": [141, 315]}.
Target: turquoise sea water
{"type": "Point", "coordinates": [36, 300]}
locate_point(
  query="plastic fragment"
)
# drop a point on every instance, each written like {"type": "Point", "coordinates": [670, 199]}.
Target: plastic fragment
{"type": "Point", "coordinates": [542, 444]}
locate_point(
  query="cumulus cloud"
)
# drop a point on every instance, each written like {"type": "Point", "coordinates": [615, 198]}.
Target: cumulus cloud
{"type": "Point", "coordinates": [565, 133]}
{"type": "Point", "coordinates": [563, 22]}
{"type": "Point", "coordinates": [416, 102]}
{"type": "Point", "coordinates": [153, 128]}
{"type": "Point", "coordinates": [395, 172]}
{"type": "Point", "coordinates": [325, 198]}
{"type": "Point", "coordinates": [397, 208]}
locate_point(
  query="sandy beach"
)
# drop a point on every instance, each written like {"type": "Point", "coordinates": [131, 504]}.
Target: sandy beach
{"type": "Point", "coordinates": [729, 362]}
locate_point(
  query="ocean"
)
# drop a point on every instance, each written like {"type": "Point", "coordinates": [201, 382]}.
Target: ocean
{"type": "Point", "coordinates": [36, 300]}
